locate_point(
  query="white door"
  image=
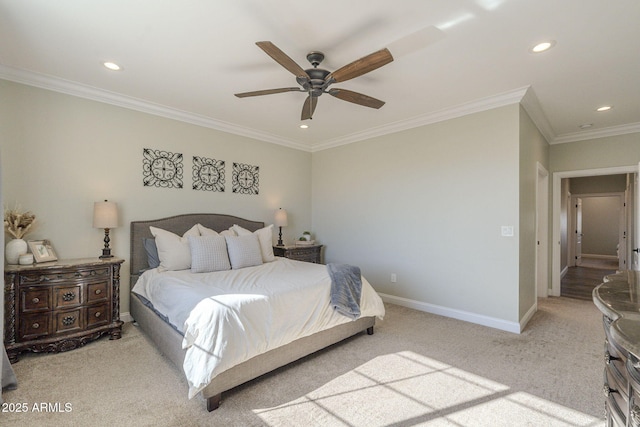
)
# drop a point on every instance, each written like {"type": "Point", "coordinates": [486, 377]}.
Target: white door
{"type": "Point", "coordinates": [542, 231]}
{"type": "Point", "coordinates": [578, 232]}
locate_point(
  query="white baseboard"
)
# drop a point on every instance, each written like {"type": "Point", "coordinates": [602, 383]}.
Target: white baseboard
{"type": "Point", "coordinates": [596, 256]}
{"type": "Point", "coordinates": [479, 319]}
{"type": "Point", "coordinates": [126, 317]}
{"type": "Point", "coordinates": [564, 271]}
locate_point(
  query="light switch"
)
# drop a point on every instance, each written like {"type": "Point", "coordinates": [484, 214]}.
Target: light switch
{"type": "Point", "coordinates": [507, 231]}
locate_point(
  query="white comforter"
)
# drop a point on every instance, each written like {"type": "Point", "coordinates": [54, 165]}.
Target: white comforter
{"type": "Point", "coordinates": [228, 317]}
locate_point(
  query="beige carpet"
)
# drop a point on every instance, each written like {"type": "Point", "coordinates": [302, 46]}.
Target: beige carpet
{"type": "Point", "coordinates": [417, 369]}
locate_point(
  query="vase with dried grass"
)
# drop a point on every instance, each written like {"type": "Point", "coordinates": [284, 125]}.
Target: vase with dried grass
{"type": "Point", "coordinates": [17, 224]}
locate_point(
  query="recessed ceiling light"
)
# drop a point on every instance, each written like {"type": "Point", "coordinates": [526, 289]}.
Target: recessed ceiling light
{"type": "Point", "coordinates": [586, 125]}
{"type": "Point", "coordinates": [543, 46]}
{"type": "Point", "coordinates": [604, 108]}
{"type": "Point", "coordinates": [304, 126]}
{"type": "Point", "coordinates": [112, 66]}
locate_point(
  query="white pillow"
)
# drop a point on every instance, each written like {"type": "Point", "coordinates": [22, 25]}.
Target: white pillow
{"type": "Point", "coordinates": [204, 231]}
{"type": "Point", "coordinates": [173, 250]}
{"type": "Point", "coordinates": [244, 251]}
{"type": "Point", "coordinates": [208, 253]}
{"type": "Point", "coordinates": [265, 237]}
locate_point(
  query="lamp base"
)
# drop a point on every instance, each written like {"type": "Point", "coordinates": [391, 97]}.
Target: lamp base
{"type": "Point", "coordinates": [106, 253]}
{"type": "Point", "coordinates": [280, 242]}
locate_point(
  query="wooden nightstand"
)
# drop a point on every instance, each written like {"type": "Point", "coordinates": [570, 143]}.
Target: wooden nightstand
{"type": "Point", "coordinates": [310, 253]}
{"type": "Point", "coordinates": [62, 305]}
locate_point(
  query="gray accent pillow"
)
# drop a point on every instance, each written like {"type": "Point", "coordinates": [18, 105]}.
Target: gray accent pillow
{"type": "Point", "coordinates": [152, 252]}
{"type": "Point", "coordinates": [208, 253]}
{"type": "Point", "coordinates": [244, 251]}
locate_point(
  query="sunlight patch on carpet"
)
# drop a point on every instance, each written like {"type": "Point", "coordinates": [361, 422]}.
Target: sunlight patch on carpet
{"type": "Point", "coordinates": [406, 388]}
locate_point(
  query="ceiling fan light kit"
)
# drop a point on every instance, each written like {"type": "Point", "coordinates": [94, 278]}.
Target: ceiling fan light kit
{"type": "Point", "coordinates": [316, 81]}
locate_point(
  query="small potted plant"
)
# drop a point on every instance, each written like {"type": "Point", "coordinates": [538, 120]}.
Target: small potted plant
{"type": "Point", "coordinates": [17, 224]}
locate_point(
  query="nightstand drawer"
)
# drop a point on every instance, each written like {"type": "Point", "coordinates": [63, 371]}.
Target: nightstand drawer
{"type": "Point", "coordinates": [34, 326]}
{"type": "Point", "coordinates": [68, 321]}
{"type": "Point", "coordinates": [98, 315]}
{"type": "Point", "coordinates": [67, 296]}
{"type": "Point", "coordinates": [35, 299]}
{"type": "Point", "coordinates": [312, 253]}
{"type": "Point", "coordinates": [97, 292]}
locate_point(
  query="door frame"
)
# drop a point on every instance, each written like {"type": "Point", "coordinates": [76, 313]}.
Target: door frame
{"type": "Point", "coordinates": [542, 232]}
{"type": "Point", "coordinates": [556, 192]}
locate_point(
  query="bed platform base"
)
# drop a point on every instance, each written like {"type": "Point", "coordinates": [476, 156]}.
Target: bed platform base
{"type": "Point", "coordinates": [169, 342]}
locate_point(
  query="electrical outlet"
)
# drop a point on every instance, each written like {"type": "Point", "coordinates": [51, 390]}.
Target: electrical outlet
{"type": "Point", "coordinates": [394, 278]}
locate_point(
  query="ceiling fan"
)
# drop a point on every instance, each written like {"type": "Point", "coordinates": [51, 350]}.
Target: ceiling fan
{"type": "Point", "coordinates": [316, 81]}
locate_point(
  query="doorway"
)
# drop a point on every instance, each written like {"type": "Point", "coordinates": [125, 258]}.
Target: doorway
{"type": "Point", "coordinates": [557, 215]}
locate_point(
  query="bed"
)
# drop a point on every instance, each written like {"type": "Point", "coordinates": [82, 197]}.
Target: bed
{"type": "Point", "coordinates": [169, 340]}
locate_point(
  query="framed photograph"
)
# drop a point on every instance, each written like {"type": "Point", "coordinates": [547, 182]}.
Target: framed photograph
{"type": "Point", "coordinates": [42, 250]}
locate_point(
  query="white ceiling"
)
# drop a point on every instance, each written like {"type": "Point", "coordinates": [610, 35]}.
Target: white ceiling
{"type": "Point", "coordinates": [185, 59]}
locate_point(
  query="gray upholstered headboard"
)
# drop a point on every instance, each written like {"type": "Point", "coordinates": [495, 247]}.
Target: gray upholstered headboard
{"type": "Point", "coordinates": [178, 224]}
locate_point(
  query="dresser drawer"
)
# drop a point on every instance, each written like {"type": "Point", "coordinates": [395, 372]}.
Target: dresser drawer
{"type": "Point", "coordinates": [61, 276]}
{"type": "Point", "coordinates": [98, 315]}
{"type": "Point", "coordinates": [97, 292]}
{"type": "Point", "coordinates": [616, 363]}
{"type": "Point", "coordinates": [68, 321]}
{"type": "Point", "coordinates": [34, 326]}
{"type": "Point", "coordinates": [35, 299]}
{"type": "Point", "coordinates": [67, 296]}
{"type": "Point", "coordinates": [616, 396]}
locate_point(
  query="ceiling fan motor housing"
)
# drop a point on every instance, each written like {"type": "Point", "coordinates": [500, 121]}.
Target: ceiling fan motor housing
{"type": "Point", "coordinates": [316, 82]}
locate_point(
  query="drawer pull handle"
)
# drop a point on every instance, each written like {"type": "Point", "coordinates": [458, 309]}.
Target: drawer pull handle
{"type": "Point", "coordinates": [36, 300]}
{"type": "Point", "coordinates": [98, 291]}
{"type": "Point", "coordinates": [98, 314]}
{"type": "Point", "coordinates": [35, 325]}
{"type": "Point", "coordinates": [608, 358]}
{"type": "Point", "coordinates": [68, 296]}
{"type": "Point", "coordinates": [608, 390]}
{"type": "Point", "coordinates": [68, 320]}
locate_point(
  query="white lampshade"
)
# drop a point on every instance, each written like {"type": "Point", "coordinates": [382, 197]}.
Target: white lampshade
{"type": "Point", "coordinates": [281, 218]}
{"type": "Point", "coordinates": [105, 214]}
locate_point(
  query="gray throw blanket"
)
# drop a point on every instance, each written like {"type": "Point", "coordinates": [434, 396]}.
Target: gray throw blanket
{"type": "Point", "coordinates": [346, 288]}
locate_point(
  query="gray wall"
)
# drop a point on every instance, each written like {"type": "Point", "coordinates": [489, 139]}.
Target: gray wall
{"type": "Point", "coordinates": [601, 221]}
{"type": "Point", "coordinates": [428, 204]}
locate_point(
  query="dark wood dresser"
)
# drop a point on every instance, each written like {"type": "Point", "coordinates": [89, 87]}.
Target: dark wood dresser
{"type": "Point", "coordinates": [308, 253]}
{"type": "Point", "coordinates": [62, 305]}
{"type": "Point", "coordinates": [617, 298]}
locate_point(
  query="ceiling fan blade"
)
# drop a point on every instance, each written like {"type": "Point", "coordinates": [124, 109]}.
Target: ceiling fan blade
{"type": "Point", "coordinates": [268, 92]}
{"type": "Point", "coordinates": [356, 98]}
{"type": "Point", "coordinates": [281, 58]}
{"type": "Point", "coordinates": [309, 107]}
{"type": "Point", "coordinates": [361, 66]}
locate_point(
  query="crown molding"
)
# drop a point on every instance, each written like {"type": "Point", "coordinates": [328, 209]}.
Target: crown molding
{"type": "Point", "coordinates": [597, 133]}
{"type": "Point", "coordinates": [524, 95]}
{"type": "Point", "coordinates": [89, 92]}
{"type": "Point", "coordinates": [488, 103]}
{"type": "Point", "coordinates": [531, 105]}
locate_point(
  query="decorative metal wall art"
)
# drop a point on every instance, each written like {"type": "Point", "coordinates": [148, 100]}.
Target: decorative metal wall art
{"type": "Point", "coordinates": [245, 179]}
{"type": "Point", "coordinates": [161, 169]}
{"type": "Point", "coordinates": [208, 174]}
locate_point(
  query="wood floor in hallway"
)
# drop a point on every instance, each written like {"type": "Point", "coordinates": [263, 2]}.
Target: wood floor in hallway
{"type": "Point", "coordinates": [579, 281]}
